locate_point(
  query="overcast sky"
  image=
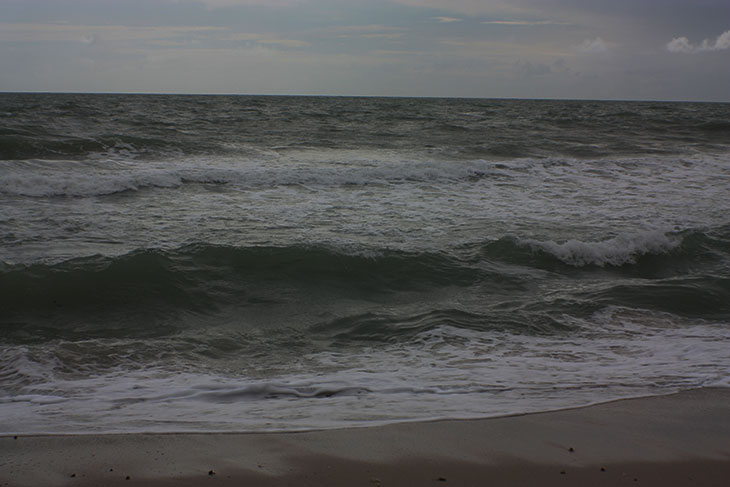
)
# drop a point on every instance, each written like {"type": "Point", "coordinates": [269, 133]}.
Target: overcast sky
{"type": "Point", "coordinates": [599, 49]}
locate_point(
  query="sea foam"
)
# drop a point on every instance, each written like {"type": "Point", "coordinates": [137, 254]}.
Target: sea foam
{"type": "Point", "coordinates": [619, 250]}
{"type": "Point", "coordinates": [73, 179]}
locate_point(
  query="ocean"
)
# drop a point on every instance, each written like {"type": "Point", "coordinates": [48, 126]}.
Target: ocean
{"type": "Point", "coordinates": [250, 263]}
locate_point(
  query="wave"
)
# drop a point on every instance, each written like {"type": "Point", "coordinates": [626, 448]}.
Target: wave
{"type": "Point", "coordinates": [22, 146]}
{"type": "Point", "coordinates": [649, 254]}
{"type": "Point", "coordinates": [271, 391]}
{"type": "Point", "coordinates": [617, 251]}
{"type": "Point", "coordinates": [154, 291]}
{"type": "Point", "coordinates": [704, 297]}
{"type": "Point", "coordinates": [386, 327]}
{"type": "Point", "coordinates": [85, 179]}
{"type": "Point", "coordinates": [722, 127]}
{"type": "Point", "coordinates": [59, 182]}
{"type": "Point", "coordinates": [317, 170]}
{"type": "Point", "coordinates": [151, 291]}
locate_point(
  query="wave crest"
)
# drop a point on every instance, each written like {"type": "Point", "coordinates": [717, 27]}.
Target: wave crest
{"type": "Point", "coordinates": [617, 251]}
{"type": "Point", "coordinates": [151, 291]}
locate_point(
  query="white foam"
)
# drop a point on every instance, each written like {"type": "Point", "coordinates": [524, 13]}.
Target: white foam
{"type": "Point", "coordinates": [68, 178]}
{"type": "Point", "coordinates": [445, 372]}
{"type": "Point", "coordinates": [619, 250]}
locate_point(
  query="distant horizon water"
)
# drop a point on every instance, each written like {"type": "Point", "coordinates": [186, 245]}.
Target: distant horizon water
{"type": "Point", "coordinates": [396, 96]}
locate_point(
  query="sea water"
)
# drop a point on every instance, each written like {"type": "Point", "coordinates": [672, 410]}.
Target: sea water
{"type": "Point", "coordinates": [243, 263]}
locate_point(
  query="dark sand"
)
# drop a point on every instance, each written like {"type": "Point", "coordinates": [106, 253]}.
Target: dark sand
{"type": "Point", "coordinates": [677, 440]}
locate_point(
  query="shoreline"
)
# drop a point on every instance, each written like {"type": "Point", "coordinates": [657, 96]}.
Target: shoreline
{"type": "Point", "coordinates": [357, 426]}
{"type": "Point", "coordinates": [676, 439]}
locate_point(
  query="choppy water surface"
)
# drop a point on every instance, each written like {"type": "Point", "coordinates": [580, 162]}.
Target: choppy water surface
{"type": "Point", "coordinates": [192, 263]}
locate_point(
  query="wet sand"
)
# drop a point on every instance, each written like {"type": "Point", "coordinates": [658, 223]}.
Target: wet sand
{"type": "Point", "coordinates": [676, 440]}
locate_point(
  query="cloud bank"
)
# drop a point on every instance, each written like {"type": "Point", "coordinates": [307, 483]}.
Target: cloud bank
{"type": "Point", "coordinates": [683, 45]}
{"type": "Point", "coordinates": [482, 48]}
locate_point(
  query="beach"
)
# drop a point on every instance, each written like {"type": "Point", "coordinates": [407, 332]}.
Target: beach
{"type": "Point", "coordinates": [678, 439]}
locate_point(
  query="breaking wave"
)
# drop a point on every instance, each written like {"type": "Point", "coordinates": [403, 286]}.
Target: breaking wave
{"type": "Point", "coordinates": [84, 179]}
{"type": "Point", "coordinates": [159, 287]}
{"type": "Point", "coordinates": [620, 250]}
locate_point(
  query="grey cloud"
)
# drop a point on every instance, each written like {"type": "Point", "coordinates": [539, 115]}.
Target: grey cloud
{"type": "Point", "coordinates": [683, 45]}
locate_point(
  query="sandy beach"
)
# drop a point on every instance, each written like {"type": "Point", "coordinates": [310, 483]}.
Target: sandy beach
{"type": "Point", "coordinates": [680, 439]}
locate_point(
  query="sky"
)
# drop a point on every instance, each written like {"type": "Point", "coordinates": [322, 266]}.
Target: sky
{"type": "Point", "coordinates": [576, 49]}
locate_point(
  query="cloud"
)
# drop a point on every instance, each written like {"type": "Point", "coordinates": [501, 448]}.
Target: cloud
{"type": "Point", "coordinates": [683, 45]}
{"type": "Point", "coordinates": [680, 44]}
{"type": "Point", "coordinates": [375, 30]}
{"type": "Point", "coordinates": [523, 22]}
{"type": "Point", "coordinates": [242, 36]}
{"type": "Point", "coordinates": [243, 3]}
{"type": "Point", "coordinates": [89, 34]}
{"type": "Point", "coordinates": [467, 7]}
{"type": "Point", "coordinates": [723, 41]}
{"type": "Point", "coordinates": [593, 46]}
{"type": "Point", "coordinates": [360, 28]}
{"type": "Point", "coordinates": [119, 36]}
{"type": "Point", "coordinates": [284, 42]}
{"type": "Point", "coordinates": [395, 35]}
{"type": "Point", "coordinates": [446, 19]}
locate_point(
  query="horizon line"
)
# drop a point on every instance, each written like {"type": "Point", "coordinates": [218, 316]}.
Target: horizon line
{"type": "Point", "coordinates": [319, 95]}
